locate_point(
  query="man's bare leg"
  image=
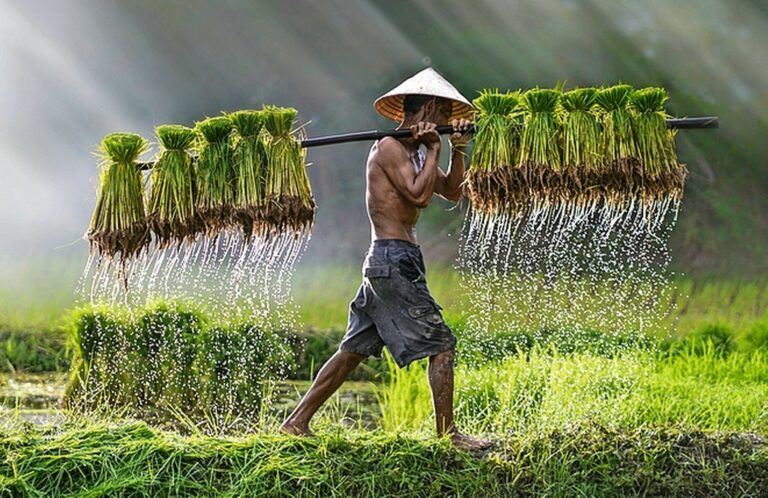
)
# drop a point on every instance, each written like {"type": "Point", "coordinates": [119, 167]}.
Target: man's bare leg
{"type": "Point", "coordinates": [328, 380]}
{"type": "Point", "coordinates": [440, 374]}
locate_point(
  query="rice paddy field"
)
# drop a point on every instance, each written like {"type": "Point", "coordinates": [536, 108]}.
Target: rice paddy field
{"type": "Point", "coordinates": [682, 412]}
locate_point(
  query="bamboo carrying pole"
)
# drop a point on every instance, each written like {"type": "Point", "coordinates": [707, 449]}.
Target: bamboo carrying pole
{"type": "Point", "coordinates": [701, 122]}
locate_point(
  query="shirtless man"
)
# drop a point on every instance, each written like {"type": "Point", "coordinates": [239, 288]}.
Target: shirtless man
{"type": "Point", "coordinates": [393, 306]}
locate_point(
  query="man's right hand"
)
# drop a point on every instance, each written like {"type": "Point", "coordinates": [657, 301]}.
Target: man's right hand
{"type": "Point", "coordinates": [426, 133]}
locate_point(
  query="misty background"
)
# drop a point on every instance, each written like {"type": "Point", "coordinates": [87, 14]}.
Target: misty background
{"type": "Point", "coordinates": [73, 71]}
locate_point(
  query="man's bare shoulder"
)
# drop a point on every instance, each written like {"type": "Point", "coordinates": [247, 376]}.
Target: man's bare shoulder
{"type": "Point", "coordinates": [388, 152]}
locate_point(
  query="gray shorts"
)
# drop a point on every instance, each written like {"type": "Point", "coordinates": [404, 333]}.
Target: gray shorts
{"type": "Point", "coordinates": [393, 307]}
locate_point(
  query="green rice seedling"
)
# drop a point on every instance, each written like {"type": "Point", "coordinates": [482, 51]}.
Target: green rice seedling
{"type": "Point", "coordinates": [215, 175]}
{"type": "Point", "coordinates": [490, 177]}
{"type": "Point", "coordinates": [168, 359]}
{"type": "Point", "coordinates": [216, 367]}
{"type": "Point", "coordinates": [289, 201]}
{"type": "Point", "coordinates": [164, 352]}
{"type": "Point", "coordinates": [250, 165]}
{"type": "Point", "coordinates": [581, 142]}
{"type": "Point", "coordinates": [656, 143]}
{"type": "Point", "coordinates": [171, 209]}
{"type": "Point", "coordinates": [540, 160]}
{"type": "Point", "coordinates": [622, 173]}
{"type": "Point", "coordinates": [262, 354]}
{"type": "Point", "coordinates": [119, 225]}
{"type": "Point", "coordinates": [94, 344]}
{"type": "Point", "coordinates": [233, 363]}
{"type": "Point", "coordinates": [543, 389]}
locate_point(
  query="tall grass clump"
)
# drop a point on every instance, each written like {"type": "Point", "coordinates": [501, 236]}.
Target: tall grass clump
{"type": "Point", "coordinates": [215, 175]}
{"type": "Point", "coordinates": [118, 224]}
{"type": "Point", "coordinates": [540, 159]}
{"type": "Point", "coordinates": [250, 165]}
{"type": "Point", "coordinates": [656, 143]}
{"type": "Point", "coordinates": [92, 345]}
{"type": "Point", "coordinates": [170, 364]}
{"type": "Point", "coordinates": [489, 179]}
{"type": "Point", "coordinates": [171, 209]}
{"type": "Point", "coordinates": [542, 389]}
{"type": "Point", "coordinates": [289, 202]}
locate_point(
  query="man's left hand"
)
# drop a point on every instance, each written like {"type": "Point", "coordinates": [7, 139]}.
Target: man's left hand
{"type": "Point", "coordinates": [460, 137]}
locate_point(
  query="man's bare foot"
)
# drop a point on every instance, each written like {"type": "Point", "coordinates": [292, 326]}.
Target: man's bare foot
{"type": "Point", "coordinates": [295, 429]}
{"type": "Point", "coordinates": [465, 442]}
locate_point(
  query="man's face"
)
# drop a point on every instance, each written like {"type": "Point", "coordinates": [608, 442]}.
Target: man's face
{"type": "Point", "coordinates": [442, 112]}
{"type": "Point", "coordinates": [438, 111]}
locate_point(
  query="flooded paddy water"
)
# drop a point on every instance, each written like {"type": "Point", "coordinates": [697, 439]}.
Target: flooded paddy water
{"type": "Point", "coordinates": [38, 399]}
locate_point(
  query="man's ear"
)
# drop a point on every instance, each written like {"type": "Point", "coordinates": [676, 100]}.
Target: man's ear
{"type": "Point", "coordinates": [429, 110]}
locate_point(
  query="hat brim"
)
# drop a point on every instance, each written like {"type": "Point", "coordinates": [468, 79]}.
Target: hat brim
{"type": "Point", "coordinates": [391, 106]}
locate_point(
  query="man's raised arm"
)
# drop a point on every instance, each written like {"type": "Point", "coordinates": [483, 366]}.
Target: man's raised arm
{"type": "Point", "coordinates": [416, 189]}
{"type": "Point", "coordinates": [448, 185]}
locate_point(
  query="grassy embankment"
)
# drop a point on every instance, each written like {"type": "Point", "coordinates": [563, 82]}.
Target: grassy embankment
{"type": "Point", "coordinates": [131, 459]}
{"type": "Point", "coordinates": [566, 425]}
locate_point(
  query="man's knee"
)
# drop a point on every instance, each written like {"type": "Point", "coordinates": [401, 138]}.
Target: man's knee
{"type": "Point", "coordinates": [443, 356]}
{"type": "Point", "coordinates": [350, 356]}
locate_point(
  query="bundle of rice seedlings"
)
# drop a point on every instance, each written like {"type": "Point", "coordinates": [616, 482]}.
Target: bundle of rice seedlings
{"type": "Point", "coordinates": [489, 178]}
{"type": "Point", "coordinates": [171, 210]}
{"type": "Point", "coordinates": [622, 174]}
{"type": "Point", "coordinates": [250, 168]}
{"type": "Point", "coordinates": [581, 143]}
{"type": "Point", "coordinates": [289, 201]}
{"type": "Point", "coordinates": [215, 175]}
{"type": "Point", "coordinates": [96, 344]}
{"type": "Point", "coordinates": [216, 367]}
{"type": "Point", "coordinates": [540, 162]}
{"type": "Point", "coordinates": [163, 349]}
{"type": "Point", "coordinates": [119, 224]}
{"type": "Point", "coordinates": [656, 144]}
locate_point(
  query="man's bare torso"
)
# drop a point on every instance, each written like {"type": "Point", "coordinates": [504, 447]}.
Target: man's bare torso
{"type": "Point", "coordinates": [391, 215]}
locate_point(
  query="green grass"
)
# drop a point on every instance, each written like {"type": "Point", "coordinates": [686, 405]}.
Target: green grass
{"type": "Point", "coordinates": [542, 390]}
{"type": "Point", "coordinates": [36, 295]}
{"type": "Point", "coordinates": [120, 458]}
{"type": "Point", "coordinates": [36, 291]}
{"type": "Point", "coordinates": [31, 350]}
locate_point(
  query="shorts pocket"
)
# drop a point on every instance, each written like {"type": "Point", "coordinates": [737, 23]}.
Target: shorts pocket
{"type": "Point", "coordinates": [420, 311]}
{"type": "Point", "coordinates": [426, 312]}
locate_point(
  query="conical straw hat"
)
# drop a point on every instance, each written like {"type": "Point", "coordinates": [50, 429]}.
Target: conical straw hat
{"type": "Point", "coordinates": [426, 82]}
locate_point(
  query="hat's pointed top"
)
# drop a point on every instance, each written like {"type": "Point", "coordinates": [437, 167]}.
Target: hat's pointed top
{"type": "Point", "coordinates": [425, 82]}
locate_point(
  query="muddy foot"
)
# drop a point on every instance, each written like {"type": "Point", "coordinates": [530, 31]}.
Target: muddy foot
{"type": "Point", "coordinates": [295, 429]}
{"type": "Point", "coordinates": [465, 442]}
